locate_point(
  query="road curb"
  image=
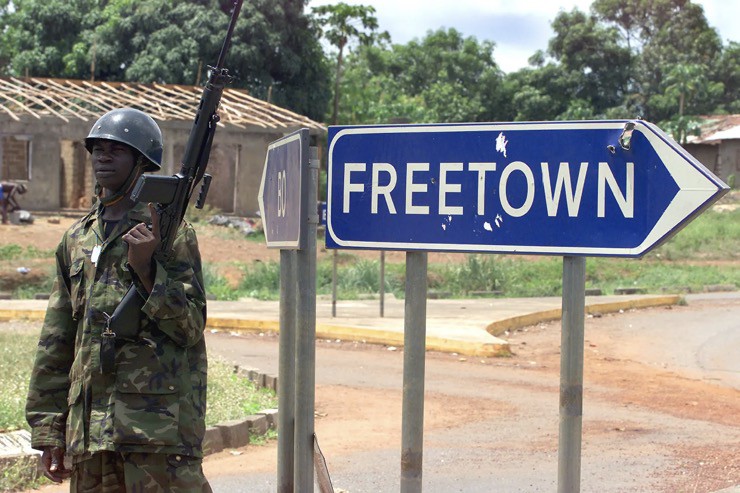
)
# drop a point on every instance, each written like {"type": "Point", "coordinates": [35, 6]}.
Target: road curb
{"type": "Point", "coordinates": [497, 347]}
{"type": "Point", "coordinates": [501, 326]}
{"type": "Point", "coordinates": [483, 348]}
{"type": "Point", "coordinates": [10, 314]}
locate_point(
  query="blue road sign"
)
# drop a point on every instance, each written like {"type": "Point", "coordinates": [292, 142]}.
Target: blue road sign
{"type": "Point", "coordinates": [282, 194]}
{"type": "Point", "coordinates": [614, 188]}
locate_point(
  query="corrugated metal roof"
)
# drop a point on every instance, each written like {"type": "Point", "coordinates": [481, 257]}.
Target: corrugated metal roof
{"type": "Point", "coordinates": [715, 128]}
{"type": "Point", "coordinates": [68, 99]}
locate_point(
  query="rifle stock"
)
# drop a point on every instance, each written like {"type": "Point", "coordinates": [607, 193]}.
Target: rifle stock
{"type": "Point", "coordinates": [172, 193]}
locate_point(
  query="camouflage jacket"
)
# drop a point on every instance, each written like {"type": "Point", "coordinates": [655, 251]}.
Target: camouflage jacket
{"type": "Point", "coordinates": [156, 399]}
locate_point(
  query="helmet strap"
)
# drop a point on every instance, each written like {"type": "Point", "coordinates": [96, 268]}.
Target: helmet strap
{"type": "Point", "coordinates": [125, 189]}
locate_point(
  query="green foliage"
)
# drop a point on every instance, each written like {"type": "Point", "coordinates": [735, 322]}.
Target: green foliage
{"type": "Point", "coordinates": [341, 25]}
{"type": "Point", "coordinates": [658, 59]}
{"type": "Point", "coordinates": [10, 252]}
{"type": "Point", "coordinates": [261, 280]}
{"type": "Point", "coordinates": [20, 474]}
{"type": "Point", "coordinates": [275, 52]}
{"type": "Point", "coordinates": [13, 252]}
{"type": "Point", "coordinates": [443, 78]}
{"type": "Point", "coordinates": [17, 352]}
{"type": "Point", "coordinates": [217, 286]}
{"type": "Point", "coordinates": [712, 236]}
{"type": "Point", "coordinates": [231, 396]}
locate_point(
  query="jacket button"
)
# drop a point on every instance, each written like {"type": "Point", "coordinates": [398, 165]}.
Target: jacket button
{"type": "Point", "coordinates": [125, 385]}
{"type": "Point", "coordinates": [172, 387]}
{"type": "Point", "coordinates": [178, 458]}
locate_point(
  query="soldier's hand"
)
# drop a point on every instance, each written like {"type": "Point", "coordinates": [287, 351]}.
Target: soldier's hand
{"type": "Point", "coordinates": [52, 463]}
{"type": "Point", "coordinates": [142, 242]}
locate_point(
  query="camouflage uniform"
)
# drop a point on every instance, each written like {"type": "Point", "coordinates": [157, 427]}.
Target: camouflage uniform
{"type": "Point", "coordinates": [155, 401]}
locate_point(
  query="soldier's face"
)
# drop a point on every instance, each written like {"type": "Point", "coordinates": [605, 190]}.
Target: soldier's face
{"type": "Point", "coordinates": [112, 163]}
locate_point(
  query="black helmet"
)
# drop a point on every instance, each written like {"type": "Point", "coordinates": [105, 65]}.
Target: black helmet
{"type": "Point", "coordinates": [134, 128]}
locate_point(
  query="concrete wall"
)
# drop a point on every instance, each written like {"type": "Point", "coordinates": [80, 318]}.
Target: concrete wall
{"type": "Point", "coordinates": [236, 163]}
{"type": "Point", "coordinates": [729, 160]}
{"type": "Point", "coordinates": [722, 158]}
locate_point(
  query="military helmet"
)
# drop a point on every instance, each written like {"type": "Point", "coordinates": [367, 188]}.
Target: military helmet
{"type": "Point", "coordinates": [134, 128]}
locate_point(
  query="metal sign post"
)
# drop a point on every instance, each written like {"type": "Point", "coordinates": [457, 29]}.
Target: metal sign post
{"type": "Point", "coordinates": [305, 349]}
{"type": "Point", "coordinates": [286, 372]}
{"type": "Point", "coordinates": [288, 205]}
{"type": "Point", "coordinates": [414, 352]}
{"type": "Point", "coordinates": [571, 374]}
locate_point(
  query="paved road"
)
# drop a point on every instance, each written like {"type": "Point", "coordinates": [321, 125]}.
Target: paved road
{"type": "Point", "coordinates": [492, 425]}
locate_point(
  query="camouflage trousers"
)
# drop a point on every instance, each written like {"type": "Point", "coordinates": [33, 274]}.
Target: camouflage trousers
{"type": "Point", "coordinates": [114, 472]}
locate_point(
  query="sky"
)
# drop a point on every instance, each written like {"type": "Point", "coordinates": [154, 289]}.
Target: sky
{"type": "Point", "coordinates": [518, 27]}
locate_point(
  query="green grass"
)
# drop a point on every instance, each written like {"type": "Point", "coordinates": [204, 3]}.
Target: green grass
{"type": "Point", "coordinates": [19, 475]}
{"type": "Point", "coordinates": [15, 252]}
{"type": "Point", "coordinates": [713, 235]}
{"type": "Point", "coordinates": [229, 397]}
{"type": "Point", "coordinates": [17, 350]}
{"type": "Point", "coordinates": [688, 261]}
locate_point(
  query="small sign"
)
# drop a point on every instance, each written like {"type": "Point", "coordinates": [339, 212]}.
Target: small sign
{"type": "Point", "coordinates": [281, 196]}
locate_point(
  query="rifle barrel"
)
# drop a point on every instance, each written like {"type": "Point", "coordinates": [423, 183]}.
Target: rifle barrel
{"type": "Point", "coordinates": [227, 41]}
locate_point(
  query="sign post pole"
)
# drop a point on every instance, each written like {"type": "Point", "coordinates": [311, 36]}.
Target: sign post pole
{"type": "Point", "coordinates": [286, 385]}
{"type": "Point", "coordinates": [288, 206]}
{"type": "Point", "coordinates": [414, 352]}
{"type": "Point", "coordinates": [571, 374]}
{"type": "Point", "coordinates": [305, 351]}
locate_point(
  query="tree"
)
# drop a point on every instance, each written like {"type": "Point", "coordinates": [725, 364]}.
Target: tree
{"type": "Point", "coordinates": [275, 51]}
{"type": "Point", "coordinates": [665, 33]}
{"type": "Point", "coordinates": [38, 33]}
{"type": "Point", "coordinates": [341, 25]}
{"type": "Point", "coordinates": [444, 77]}
{"type": "Point", "coordinates": [727, 71]}
{"type": "Point", "coordinates": [590, 51]}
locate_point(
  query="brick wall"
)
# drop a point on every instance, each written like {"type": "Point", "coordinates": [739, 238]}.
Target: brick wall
{"type": "Point", "coordinates": [14, 164]}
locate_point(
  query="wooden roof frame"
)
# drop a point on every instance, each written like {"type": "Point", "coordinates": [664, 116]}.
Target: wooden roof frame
{"type": "Point", "coordinates": [69, 99]}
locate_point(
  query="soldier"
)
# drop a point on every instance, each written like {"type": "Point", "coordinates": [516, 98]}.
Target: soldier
{"type": "Point", "coordinates": [140, 426]}
{"type": "Point", "coordinates": [8, 202]}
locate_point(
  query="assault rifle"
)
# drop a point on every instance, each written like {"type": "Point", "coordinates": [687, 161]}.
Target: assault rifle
{"type": "Point", "coordinates": [172, 193]}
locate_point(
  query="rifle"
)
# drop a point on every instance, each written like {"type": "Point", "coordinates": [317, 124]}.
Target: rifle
{"type": "Point", "coordinates": [172, 193]}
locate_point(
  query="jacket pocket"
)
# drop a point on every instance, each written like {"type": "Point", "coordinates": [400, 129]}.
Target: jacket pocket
{"type": "Point", "coordinates": [75, 436]}
{"type": "Point", "coordinates": [77, 288]}
{"type": "Point", "coordinates": [148, 416]}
